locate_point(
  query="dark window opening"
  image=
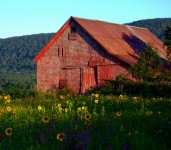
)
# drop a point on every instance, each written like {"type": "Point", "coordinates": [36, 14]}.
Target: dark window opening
{"type": "Point", "coordinates": [72, 35]}
{"type": "Point", "coordinates": [73, 30]}
{"type": "Point", "coordinates": [58, 52]}
{"type": "Point", "coordinates": [62, 52]}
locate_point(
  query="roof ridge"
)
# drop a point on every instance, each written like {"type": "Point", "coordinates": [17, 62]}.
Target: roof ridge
{"type": "Point", "coordinates": [97, 20]}
{"type": "Point", "coordinates": [136, 27]}
{"type": "Point", "coordinates": [107, 22]}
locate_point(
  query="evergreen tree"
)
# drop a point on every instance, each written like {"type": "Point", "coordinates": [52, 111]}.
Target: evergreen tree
{"type": "Point", "coordinates": [148, 65]}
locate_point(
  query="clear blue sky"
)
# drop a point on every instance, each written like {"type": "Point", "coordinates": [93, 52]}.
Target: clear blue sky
{"type": "Point", "coordinates": [25, 17]}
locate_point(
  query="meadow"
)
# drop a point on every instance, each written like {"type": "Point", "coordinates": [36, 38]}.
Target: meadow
{"type": "Point", "coordinates": [85, 122]}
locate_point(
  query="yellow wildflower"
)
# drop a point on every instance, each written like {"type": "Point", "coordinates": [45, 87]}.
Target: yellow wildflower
{"type": "Point", "coordinates": [87, 117]}
{"type": "Point", "coordinates": [62, 96]}
{"type": "Point", "coordinates": [8, 131]}
{"type": "Point", "coordinates": [39, 107]}
{"type": "Point", "coordinates": [96, 101]}
{"type": "Point", "coordinates": [59, 105]}
{"type": "Point", "coordinates": [118, 114]}
{"type": "Point", "coordinates": [92, 94]}
{"type": "Point", "coordinates": [135, 100]}
{"type": "Point", "coordinates": [66, 110]}
{"type": "Point", "coordinates": [60, 136]}
{"type": "Point", "coordinates": [54, 116]}
{"type": "Point", "coordinates": [149, 113]}
{"type": "Point", "coordinates": [8, 96]}
{"type": "Point", "coordinates": [8, 100]}
{"type": "Point", "coordinates": [5, 97]}
{"type": "Point", "coordinates": [83, 107]}
{"type": "Point", "coordinates": [121, 96]}
{"type": "Point", "coordinates": [79, 109]}
{"type": "Point", "coordinates": [45, 119]}
{"type": "Point", "coordinates": [9, 109]}
{"type": "Point", "coordinates": [96, 95]}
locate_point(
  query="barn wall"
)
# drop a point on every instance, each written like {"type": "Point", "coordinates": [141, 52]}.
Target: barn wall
{"type": "Point", "coordinates": [74, 62]}
{"type": "Point", "coordinates": [47, 72]}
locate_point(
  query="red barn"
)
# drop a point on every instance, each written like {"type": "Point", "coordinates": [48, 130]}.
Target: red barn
{"type": "Point", "coordinates": [85, 52]}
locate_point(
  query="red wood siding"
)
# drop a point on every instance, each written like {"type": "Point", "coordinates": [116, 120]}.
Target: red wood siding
{"type": "Point", "coordinates": [89, 78]}
{"type": "Point", "coordinates": [104, 72]}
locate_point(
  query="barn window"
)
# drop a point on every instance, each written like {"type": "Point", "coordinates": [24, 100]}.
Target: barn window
{"type": "Point", "coordinates": [73, 30]}
{"type": "Point", "coordinates": [60, 52]}
{"type": "Point", "coordinates": [72, 35]}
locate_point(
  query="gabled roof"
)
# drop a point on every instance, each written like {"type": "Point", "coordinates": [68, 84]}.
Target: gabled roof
{"type": "Point", "coordinates": [121, 41]}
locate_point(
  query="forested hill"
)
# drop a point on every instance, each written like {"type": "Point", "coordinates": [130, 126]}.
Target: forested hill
{"type": "Point", "coordinates": [17, 67]}
{"type": "Point", "coordinates": [17, 53]}
{"type": "Point", "coordinates": [156, 26]}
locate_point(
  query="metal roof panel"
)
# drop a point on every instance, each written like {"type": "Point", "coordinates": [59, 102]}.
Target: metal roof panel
{"type": "Point", "coordinates": [123, 41]}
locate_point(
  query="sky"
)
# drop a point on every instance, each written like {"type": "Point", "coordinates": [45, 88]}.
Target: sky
{"type": "Point", "coordinates": [26, 17]}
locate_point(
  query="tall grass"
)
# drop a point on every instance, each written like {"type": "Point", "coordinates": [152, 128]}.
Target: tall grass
{"type": "Point", "coordinates": [51, 121]}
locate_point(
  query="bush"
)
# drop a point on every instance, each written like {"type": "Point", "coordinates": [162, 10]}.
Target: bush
{"type": "Point", "coordinates": [143, 88]}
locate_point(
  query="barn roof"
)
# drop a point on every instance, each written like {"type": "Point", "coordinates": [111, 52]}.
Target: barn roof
{"type": "Point", "coordinates": [121, 41]}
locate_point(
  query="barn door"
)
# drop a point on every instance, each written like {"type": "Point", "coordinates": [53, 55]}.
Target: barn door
{"type": "Point", "coordinates": [103, 73]}
{"type": "Point", "coordinates": [89, 78]}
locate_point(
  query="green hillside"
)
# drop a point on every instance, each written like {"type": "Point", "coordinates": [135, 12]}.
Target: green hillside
{"type": "Point", "coordinates": [17, 53]}
{"type": "Point", "coordinates": [17, 67]}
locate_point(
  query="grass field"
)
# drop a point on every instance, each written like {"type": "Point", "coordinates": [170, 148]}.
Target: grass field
{"type": "Point", "coordinates": [88, 122]}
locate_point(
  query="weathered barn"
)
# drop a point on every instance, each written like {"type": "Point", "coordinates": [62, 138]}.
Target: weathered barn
{"type": "Point", "coordinates": [85, 52]}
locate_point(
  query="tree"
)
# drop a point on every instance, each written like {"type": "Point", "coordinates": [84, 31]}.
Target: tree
{"type": "Point", "coordinates": [148, 65]}
{"type": "Point", "coordinates": [167, 41]}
